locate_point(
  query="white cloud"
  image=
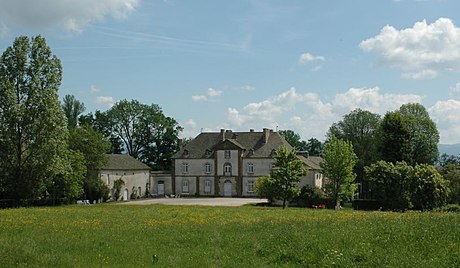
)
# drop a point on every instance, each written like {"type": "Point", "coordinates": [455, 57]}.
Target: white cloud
{"type": "Point", "coordinates": [93, 89]}
{"type": "Point", "coordinates": [446, 115]}
{"type": "Point", "coordinates": [211, 94]}
{"type": "Point", "coordinates": [455, 90]}
{"type": "Point", "coordinates": [307, 57]}
{"type": "Point", "coordinates": [421, 52]}
{"type": "Point", "coordinates": [191, 123]}
{"type": "Point", "coordinates": [105, 100]}
{"type": "Point", "coordinates": [69, 15]}
{"type": "Point", "coordinates": [308, 115]}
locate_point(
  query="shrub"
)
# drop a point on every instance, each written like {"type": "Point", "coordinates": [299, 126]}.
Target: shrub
{"type": "Point", "coordinates": [367, 204]}
{"type": "Point", "coordinates": [450, 208]}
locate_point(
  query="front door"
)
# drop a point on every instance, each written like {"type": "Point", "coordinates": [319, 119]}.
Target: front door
{"type": "Point", "coordinates": [161, 189]}
{"type": "Point", "coordinates": [125, 195]}
{"type": "Point", "coordinates": [228, 188]}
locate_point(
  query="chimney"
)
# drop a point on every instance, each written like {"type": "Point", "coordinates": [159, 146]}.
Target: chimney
{"type": "Point", "coordinates": [266, 135]}
{"type": "Point", "coordinates": [222, 134]}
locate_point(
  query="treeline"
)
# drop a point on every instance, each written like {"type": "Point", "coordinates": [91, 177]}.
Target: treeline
{"type": "Point", "coordinates": [49, 151]}
{"type": "Point", "coordinates": [397, 158]}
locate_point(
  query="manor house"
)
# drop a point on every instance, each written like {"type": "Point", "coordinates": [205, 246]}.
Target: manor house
{"type": "Point", "coordinates": [228, 164]}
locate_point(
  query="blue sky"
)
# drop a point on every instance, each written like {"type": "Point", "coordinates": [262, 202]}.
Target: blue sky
{"type": "Point", "coordinates": [297, 65]}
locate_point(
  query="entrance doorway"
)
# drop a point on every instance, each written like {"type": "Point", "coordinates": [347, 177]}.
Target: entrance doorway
{"type": "Point", "coordinates": [228, 188]}
{"type": "Point", "coordinates": [125, 195]}
{"type": "Point", "coordinates": [161, 188]}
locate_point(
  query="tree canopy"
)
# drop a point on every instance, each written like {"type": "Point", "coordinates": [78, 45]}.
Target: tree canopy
{"type": "Point", "coordinates": [338, 164]}
{"type": "Point", "coordinates": [73, 108]}
{"type": "Point", "coordinates": [360, 128]}
{"type": "Point", "coordinates": [140, 130]}
{"type": "Point", "coordinates": [282, 182]}
{"type": "Point", "coordinates": [33, 132]}
{"type": "Point", "coordinates": [294, 140]}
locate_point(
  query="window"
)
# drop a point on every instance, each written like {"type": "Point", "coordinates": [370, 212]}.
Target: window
{"type": "Point", "coordinates": [250, 186]}
{"type": "Point", "coordinates": [185, 167]}
{"type": "Point", "coordinates": [185, 188]}
{"type": "Point", "coordinates": [227, 169]}
{"type": "Point", "coordinates": [228, 154]}
{"type": "Point", "coordinates": [250, 168]}
{"type": "Point", "coordinates": [207, 168]}
{"type": "Point", "coordinates": [139, 191]}
{"type": "Point", "coordinates": [207, 186]}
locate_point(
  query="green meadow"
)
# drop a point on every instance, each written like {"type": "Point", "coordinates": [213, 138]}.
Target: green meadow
{"type": "Point", "coordinates": [186, 236]}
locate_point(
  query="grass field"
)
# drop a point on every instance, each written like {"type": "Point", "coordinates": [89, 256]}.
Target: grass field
{"type": "Point", "coordinates": [172, 236]}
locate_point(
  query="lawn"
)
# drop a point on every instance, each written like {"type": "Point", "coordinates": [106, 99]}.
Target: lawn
{"type": "Point", "coordinates": [175, 236]}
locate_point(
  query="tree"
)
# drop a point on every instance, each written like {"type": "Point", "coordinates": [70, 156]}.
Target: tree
{"type": "Point", "coordinates": [72, 109]}
{"type": "Point", "coordinates": [394, 138]}
{"type": "Point", "coordinates": [423, 134]}
{"type": "Point", "coordinates": [282, 182]}
{"type": "Point", "coordinates": [33, 133]}
{"type": "Point", "coordinates": [145, 132]}
{"type": "Point", "coordinates": [390, 183]}
{"type": "Point", "coordinates": [117, 184]}
{"type": "Point", "coordinates": [294, 140]}
{"type": "Point", "coordinates": [450, 171]}
{"type": "Point", "coordinates": [338, 164]}
{"type": "Point", "coordinates": [429, 189]}
{"type": "Point", "coordinates": [314, 147]}
{"type": "Point", "coordinates": [360, 128]}
{"type": "Point", "coordinates": [100, 122]}
{"type": "Point", "coordinates": [92, 145]}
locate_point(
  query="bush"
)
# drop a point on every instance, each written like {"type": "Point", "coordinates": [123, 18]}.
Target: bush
{"type": "Point", "coordinates": [313, 196]}
{"type": "Point", "coordinates": [367, 204]}
{"type": "Point", "coordinates": [450, 208]}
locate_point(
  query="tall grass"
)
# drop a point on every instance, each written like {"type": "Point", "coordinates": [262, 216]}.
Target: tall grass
{"type": "Point", "coordinates": [171, 236]}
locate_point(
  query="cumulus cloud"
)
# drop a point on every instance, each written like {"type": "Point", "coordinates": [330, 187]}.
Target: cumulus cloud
{"type": "Point", "coordinates": [446, 115]}
{"type": "Point", "coordinates": [307, 57]}
{"type": "Point", "coordinates": [308, 114]}
{"type": "Point", "coordinates": [69, 15]}
{"type": "Point", "coordinates": [420, 52]}
{"type": "Point", "coordinates": [105, 100]}
{"type": "Point", "coordinates": [248, 88]}
{"type": "Point", "coordinates": [210, 95]}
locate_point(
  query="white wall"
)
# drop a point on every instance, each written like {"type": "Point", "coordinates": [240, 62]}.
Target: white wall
{"type": "Point", "coordinates": [132, 178]}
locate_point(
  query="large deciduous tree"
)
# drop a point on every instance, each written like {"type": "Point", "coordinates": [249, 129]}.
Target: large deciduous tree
{"type": "Point", "coordinates": [338, 164]}
{"type": "Point", "coordinates": [423, 134]}
{"type": "Point", "coordinates": [144, 131]}
{"type": "Point", "coordinates": [360, 128]}
{"type": "Point", "coordinates": [293, 139]}
{"type": "Point", "coordinates": [281, 184]}
{"type": "Point", "coordinates": [394, 138]}
{"type": "Point", "coordinates": [72, 109]}
{"type": "Point", "coordinates": [314, 147]}
{"type": "Point", "coordinates": [33, 133]}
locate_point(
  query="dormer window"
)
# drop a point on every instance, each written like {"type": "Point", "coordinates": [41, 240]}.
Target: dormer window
{"type": "Point", "coordinates": [273, 153]}
{"type": "Point", "coordinates": [186, 153]}
{"type": "Point", "coordinates": [208, 153]}
{"type": "Point", "coordinates": [251, 152]}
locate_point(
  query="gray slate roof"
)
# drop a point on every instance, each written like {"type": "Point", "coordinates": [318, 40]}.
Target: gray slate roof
{"type": "Point", "coordinates": [124, 162]}
{"type": "Point", "coordinates": [252, 143]}
{"type": "Point", "coordinates": [312, 162]}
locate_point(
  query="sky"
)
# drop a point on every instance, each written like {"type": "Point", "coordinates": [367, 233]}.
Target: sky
{"type": "Point", "coordinates": [253, 64]}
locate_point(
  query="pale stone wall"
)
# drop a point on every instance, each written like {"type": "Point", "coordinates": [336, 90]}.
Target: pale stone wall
{"type": "Point", "coordinates": [156, 178]}
{"type": "Point", "coordinates": [246, 181]}
{"type": "Point", "coordinates": [221, 160]}
{"type": "Point", "coordinates": [192, 190]}
{"type": "Point", "coordinates": [203, 186]}
{"type": "Point", "coordinates": [313, 178]}
{"type": "Point", "coordinates": [134, 179]}
{"type": "Point", "coordinates": [196, 167]}
{"type": "Point", "coordinates": [262, 166]}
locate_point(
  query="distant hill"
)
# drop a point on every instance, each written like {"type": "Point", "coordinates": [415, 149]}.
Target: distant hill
{"type": "Point", "coordinates": [451, 149]}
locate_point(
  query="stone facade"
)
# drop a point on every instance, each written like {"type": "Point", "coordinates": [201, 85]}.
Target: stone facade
{"type": "Point", "coordinates": [229, 163]}
{"type": "Point", "coordinates": [135, 175]}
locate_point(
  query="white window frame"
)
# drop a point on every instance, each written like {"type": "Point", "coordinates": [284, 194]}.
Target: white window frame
{"type": "Point", "coordinates": [207, 186]}
{"type": "Point", "coordinates": [228, 169]}
{"type": "Point", "coordinates": [250, 186]}
{"type": "Point", "coordinates": [207, 168]}
{"type": "Point", "coordinates": [227, 154]}
{"type": "Point", "coordinates": [250, 168]}
{"type": "Point", "coordinates": [185, 167]}
{"type": "Point", "coordinates": [185, 186]}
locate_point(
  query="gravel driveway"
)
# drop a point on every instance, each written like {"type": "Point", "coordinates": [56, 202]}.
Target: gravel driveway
{"type": "Point", "coordinates": [216, 201]}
